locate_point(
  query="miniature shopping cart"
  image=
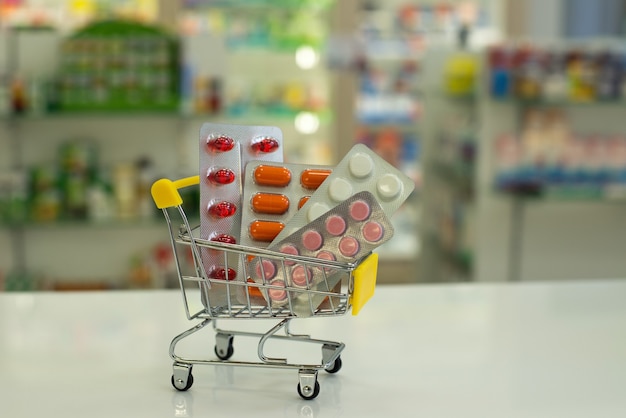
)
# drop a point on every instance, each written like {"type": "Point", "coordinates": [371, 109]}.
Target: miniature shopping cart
{"type": "Point", "coordinates": [346, 286]}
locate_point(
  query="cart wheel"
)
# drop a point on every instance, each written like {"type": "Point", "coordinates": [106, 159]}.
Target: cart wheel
{"type": "Point", "coordinates": [224, 346]}
{"type": "Point", "coordinates": [309, 392]}
{"type": "Point", "coordinates": [186, 386]}
{"type": "Point", "coordinates": [308, 387]}
{"type": "Point", "coordinates": [224, 354]}
{"type": "Point", "coordinates": [335, 367]}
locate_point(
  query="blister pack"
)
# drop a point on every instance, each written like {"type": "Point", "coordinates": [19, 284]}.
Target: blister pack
{"type": "Point", "coordinates": [272, 194]}
{"type": "Point", "coordinates": [360, 170]}
{"type": "Point", "coordinates": [346, 233]}
{"type": "Point", "coordinates": [224, 151]}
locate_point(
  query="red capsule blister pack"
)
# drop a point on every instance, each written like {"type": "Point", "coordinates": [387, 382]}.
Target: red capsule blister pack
{"type": "Point", "coordinates": [272, 194]}
{"type": "Point", "coordinates": [344, 234]}
{"type": "Point", "coordinates": [224, 151]}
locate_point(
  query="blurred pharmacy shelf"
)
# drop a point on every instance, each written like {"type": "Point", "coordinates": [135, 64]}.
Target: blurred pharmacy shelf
{"type": "Point", "coordinates": [83, 219]}
{"type": "Point", "coordinates": [550, 179]}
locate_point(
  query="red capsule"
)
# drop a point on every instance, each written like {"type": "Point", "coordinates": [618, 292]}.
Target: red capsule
{"type": "Point", "coordinates": [224, 238]}
{"type": "Point", "coordinates": [219, 273]}
{"type": "Point", "coordinates": [221, 143]}
{"type": "Point", "coordinates": [222, 209]}
{"type": "Point", "coordinates": [221, 176]}
{"type": "Point", "coordinates": [264, 144]}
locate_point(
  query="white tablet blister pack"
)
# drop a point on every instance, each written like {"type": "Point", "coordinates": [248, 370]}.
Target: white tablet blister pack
{"type": "Point", "coordinates": [360, 170]}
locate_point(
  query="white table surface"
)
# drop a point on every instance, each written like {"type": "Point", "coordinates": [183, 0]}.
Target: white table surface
{"type": "Point", "coordinates": [477, 350]}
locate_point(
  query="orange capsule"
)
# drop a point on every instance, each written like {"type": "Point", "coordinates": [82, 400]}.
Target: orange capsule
{"type": "Point", "coordinates": [267, 175]}
{"type": "Point", "coordinates": [270, 203]}
{"type": "Point", "coordinates": [312, 178]}
{"type": "Point", "coordinates": [303, 201]}
{"type": "Point", "coordinates": [253, 291]}
{"type": "Point", "coordinates": [265, 231]}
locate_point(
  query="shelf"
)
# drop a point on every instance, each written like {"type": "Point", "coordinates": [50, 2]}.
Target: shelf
{"type": "Point", "coordinates": [324, 115]}
{"type": "Point", "coordinates": [391, 53]}
{"type": "Point", "coordinates": [72, 224]}
{"type": "Point", "coordinates": [96, 114]}
{"type": "Point", "coordinates": [263, 5]}
{"type": "Point", "coordinates": [568, 195]}
{"type": "Point", "coordinates": [557, 103]}
{"type": "Point", "coordinates": [382, 124]}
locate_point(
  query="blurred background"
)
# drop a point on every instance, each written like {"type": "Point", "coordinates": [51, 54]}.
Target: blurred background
{"type": "Point", "coordinates": [510, 116]}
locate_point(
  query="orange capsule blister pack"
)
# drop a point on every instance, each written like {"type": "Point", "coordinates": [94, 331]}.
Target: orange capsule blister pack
{"type": "Point", "coordinates": [224, 151]}
{"type": "Point", "coordinates": [272, 194]}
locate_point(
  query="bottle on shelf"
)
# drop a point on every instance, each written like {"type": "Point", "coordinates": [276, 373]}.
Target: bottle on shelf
{"type": "Point", "coordinates": [500, 75]}
{"type": "Point", "coordinates": [19, 100]}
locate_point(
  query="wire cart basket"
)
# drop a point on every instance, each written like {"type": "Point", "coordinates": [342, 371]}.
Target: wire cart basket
{"type": "Point", "coordinates": [345, 287]}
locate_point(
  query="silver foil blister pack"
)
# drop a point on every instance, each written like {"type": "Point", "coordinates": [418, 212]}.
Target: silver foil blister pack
{"type": "Point", "coordinates": [224, 150]}
{"type": "Point", "coordinates": [345, 234]}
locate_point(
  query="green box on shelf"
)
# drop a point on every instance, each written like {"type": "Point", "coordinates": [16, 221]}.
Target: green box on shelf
{"type": "Point", "coordinates": [119, 65]}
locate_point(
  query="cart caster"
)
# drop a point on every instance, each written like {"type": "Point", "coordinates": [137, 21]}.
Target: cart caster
{"type": "Point", "coordinates": [182, 379]}
{"type": "Point", "coordinates": [335, 367]}
{"type": "Point", "coordinates": [328, 352]}
{"type": "Point", "coordinates": [224, 346]}
{"type": "Point", "coordinates": [308, 386]}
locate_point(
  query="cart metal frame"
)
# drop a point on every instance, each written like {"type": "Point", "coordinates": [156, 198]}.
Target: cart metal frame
{"type": "Point", "coordinates": [345, 287]}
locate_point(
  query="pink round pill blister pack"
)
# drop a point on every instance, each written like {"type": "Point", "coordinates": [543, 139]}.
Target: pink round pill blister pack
{"type": "Point", "coordinates": [272, 194]}
{"type": "Point", "coordinates": [223, 151]}
{"type": "Point", "coordinates": [346, 233]}
{"type": "Point", "coordinates": [360, 170]}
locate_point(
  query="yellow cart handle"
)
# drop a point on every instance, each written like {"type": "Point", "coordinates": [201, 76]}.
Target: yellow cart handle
{"type": "Point", "coordinates": [165, 192]}
{"type": "Point", "coordinates": [364, 283]}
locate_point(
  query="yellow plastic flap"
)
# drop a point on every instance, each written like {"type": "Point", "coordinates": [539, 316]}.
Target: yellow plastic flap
{"type": "Point", "coordinates": [165, 192]}
{"type": "Point", "coordinates": [364, 283]}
